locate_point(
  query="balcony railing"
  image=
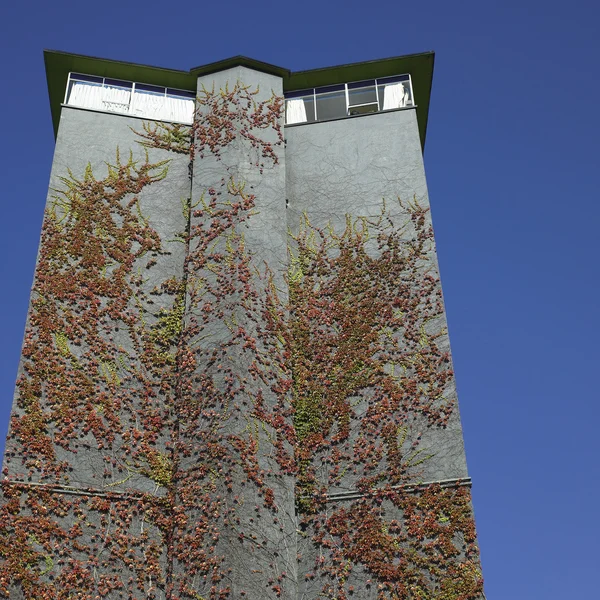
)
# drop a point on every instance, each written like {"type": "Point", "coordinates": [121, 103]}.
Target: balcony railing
{"type": "Point", "coordinates": [130, 98]}
{"type": "Point", "coordinates": [348, 99]}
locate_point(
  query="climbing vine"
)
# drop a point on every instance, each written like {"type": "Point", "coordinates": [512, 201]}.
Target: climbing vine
{"type": "Point", "coordinates": [235, 114]}
{"type": "Point", "coordinates": [363, 334]}
{"type": "Point", "coordinates": [369, 375]}
{"type": "Point", "coordinates": [162, 418]}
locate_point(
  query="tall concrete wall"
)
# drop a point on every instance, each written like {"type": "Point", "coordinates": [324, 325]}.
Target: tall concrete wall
{"type": "Point", "coordinates": [354, 167]}
{"type": "Point", "coordinates": [85, 390]}
{"type": "Point", "coordinates": [153, 451]}
{"type": "Point", "coordinates": [259, 543]}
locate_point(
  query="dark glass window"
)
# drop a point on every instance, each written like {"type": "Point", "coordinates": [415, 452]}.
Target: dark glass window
{"type": "Point", "coordinates": [362, 94]}
{"type": "Point", "coordinates": [331, 102]}
{"type": "Point", "coordinates": [118, 83]}
{"type": "Point", "coordinates": [155, 89]}
{"type": "Point", "coordinates": [181, 93]}
{"type": "Point", "coordinates": [90, 78]}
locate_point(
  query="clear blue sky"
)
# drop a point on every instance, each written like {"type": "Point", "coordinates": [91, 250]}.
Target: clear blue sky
{"type": "Point", "coordinates": [512, 162]}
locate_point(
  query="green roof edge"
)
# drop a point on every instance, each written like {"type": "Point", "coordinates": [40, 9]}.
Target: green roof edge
{"type": "Point", "coordinates": [420, 66]}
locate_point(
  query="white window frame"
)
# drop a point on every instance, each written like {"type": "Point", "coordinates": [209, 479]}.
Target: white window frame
{"type": "Point", "coordinates": [378, 81]}
{"type": "Point", "coordinates": [73, 78]}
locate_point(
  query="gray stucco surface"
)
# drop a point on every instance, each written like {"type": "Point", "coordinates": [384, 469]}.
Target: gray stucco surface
{"type": "Point", "coordinates": [271, 553]}
{"type": "Point", "coordinates": [351, 166]}
{"type": "Point", "coordinates": [93, 138]}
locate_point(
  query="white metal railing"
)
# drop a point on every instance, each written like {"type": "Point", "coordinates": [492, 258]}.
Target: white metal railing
{"type": "Point", "coordinates": [127, 97]}
{"type": "Point", "coordinates": [349, 99]}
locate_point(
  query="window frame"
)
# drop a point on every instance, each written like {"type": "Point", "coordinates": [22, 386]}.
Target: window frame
{"type": "Point", "coordinates": [376, 83]}
{"type": "Point", "coordinates": [167, 92]}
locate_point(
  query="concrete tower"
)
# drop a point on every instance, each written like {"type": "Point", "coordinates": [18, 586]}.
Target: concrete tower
{"type": "Point", "coordinates": [236, 378]}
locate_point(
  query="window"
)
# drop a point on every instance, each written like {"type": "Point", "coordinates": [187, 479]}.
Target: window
{"type": "Point", "coordinates": [348, 99]}
{"type": "Point", "coordinates": [300, 107]}
{"type": "Point", "coordinates": [126, 97]}
{"type": "Point", "coordinates": [330, 102]}
{"type": "Point", "coordinates": [362, 97]}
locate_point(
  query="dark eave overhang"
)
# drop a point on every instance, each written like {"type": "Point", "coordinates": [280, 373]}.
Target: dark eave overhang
{"type": "Point", "coordinates": [420, 66]}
